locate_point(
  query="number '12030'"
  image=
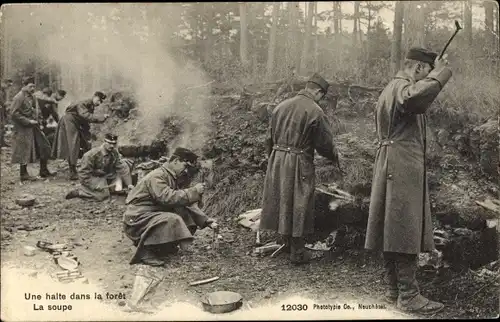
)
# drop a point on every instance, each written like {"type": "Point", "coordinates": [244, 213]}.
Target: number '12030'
{"type": "Point", "coordinates": [294, 307]}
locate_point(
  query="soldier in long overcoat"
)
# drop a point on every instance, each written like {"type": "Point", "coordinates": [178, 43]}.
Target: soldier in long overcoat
{"type": "Point", "coordinates": [298, 127]}
{"type": "Point", "coordinates": [399, 220]}
{"type": "Point", "coordinates": [161, 215]}
{"type": "Point", "coordinates": [29, 142]}
{"type": "Point", "coordinates": [73, 138]}
{"type": "Point", "coordinates": [103, 171]}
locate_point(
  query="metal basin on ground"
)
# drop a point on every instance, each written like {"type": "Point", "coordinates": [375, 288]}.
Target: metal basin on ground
{"type": "Point", "coordinates": [222, 302]}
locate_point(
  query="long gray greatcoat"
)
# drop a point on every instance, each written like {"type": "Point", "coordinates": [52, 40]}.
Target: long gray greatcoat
{"type": "Point", "coordinates": [99, 169]}
{"type": "Point", "coordinates": [73, 138]}
{"type": "Point", "coordinates": [159, 212]}
{"type": "Point", "coordinates": [297, 127]}
{"type": "Point", "coordinates": [29, 143]}
{"type": "Point", "coordinates": [399, 215]}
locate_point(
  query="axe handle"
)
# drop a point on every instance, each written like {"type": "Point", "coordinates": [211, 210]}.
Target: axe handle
{"type": "Point", "coordinates": [448, 43]}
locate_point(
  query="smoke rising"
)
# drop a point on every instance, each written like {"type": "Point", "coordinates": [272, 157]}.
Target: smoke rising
{"type": "Point", "coordinates": [120, 47]}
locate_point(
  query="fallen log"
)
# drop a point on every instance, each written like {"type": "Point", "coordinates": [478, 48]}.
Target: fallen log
{"type": "Point", "coordinates": [490, 204]}
{"type": "Point", "coordinates": [297, 83]}
{"type": "Point", "coordinates": [154, 151]}
{"type": "Point", "coordinates": [333, 207]}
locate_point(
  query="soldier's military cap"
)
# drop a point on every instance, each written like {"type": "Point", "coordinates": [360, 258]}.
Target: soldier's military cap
{"type": "Point", "coordinates": [320, 81]}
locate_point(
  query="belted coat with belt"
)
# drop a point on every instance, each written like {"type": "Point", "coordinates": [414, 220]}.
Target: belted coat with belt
{"type": "Point", "coordinates": [29, 142]}
{"type": "Point", "coordinates": [298, 126]}
{"type": "Point", "coordinates": [399, 214]}
{"type": "Point", "coordinates": [73, 138]}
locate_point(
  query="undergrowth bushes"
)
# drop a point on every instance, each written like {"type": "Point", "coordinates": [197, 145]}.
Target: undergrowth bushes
{"type": "Point", "coordinates": [467, 101]}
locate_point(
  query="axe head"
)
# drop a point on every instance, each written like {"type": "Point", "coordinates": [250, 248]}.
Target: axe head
{"type": "Point", "coordinates": [457, 25]}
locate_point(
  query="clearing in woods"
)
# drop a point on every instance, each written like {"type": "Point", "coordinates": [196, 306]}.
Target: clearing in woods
{"type": "Point", "coordinates": [104, 253]}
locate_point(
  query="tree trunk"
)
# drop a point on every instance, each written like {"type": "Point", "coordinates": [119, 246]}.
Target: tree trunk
{"type": "Point", "coordinates": [6, 51]}
{"type": "Point", "coordinates": [336, 17]}
{"type": "Point", "coordinates": [340, 17]}
{"type": "Point", "coordinates": [360, 32]}
{"type": "Point", "coordinates": [243, 34]}
{"type": "Point", "coordinates": [307, 39]}
{"type": "Point", "coordinates": [468, 22]}
{"type": "Point", "coordinates": [414, 22]}
{"type": "Point", "coordinates": [258, 11]}
{"type": "Point", "coordinates": [209, 45]}
{"type": "Point", "coordinates": [196, 29]}
{"type": "Point", "coordinates": [296, 37]}
{"type": "Point", "coordinates": [355, 23]}
{"type": "Point", "coordinates": [396, 37]}
{"type": "Point", "coordinates": [316, 43]}
{"type": "Point", "coordinates": [292, 56]}
{"type": "Point", "coordinates": [272, 42]}
{"type": "Point", "coordinates": [369, 21]}
{"type": "Point", "coordinates": [489, 25]}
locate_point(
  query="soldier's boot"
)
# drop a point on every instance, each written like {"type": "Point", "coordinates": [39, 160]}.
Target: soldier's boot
{"type": "Point", "coordinates": [391, 280]}
{"type": "Point", "coordinates": [44, 171]}
{"type": "Point", "coordinates": [73, 174]}
{"type": "Point", "coordinates": [150, 258]}
{"type": "Point", "coordinates": [286, 240]}
{"type": "Point", "coordinates": [73, 194]}
{"type": "Point", "coordinates": [410, 299]}
{"type": "Point", "coordinates": [146, 279]}
{"type": "Point", "coordinates": [23, 173]}
{"type": "Point", "coordinates": [298, 252]}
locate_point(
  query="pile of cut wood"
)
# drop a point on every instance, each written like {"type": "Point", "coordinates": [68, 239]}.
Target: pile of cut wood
{"type": "Point", "coordinates": [334, 198]}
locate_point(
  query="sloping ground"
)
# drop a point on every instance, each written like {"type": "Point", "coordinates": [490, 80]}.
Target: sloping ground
{"type": "Point", "coordinates": [237, 147]}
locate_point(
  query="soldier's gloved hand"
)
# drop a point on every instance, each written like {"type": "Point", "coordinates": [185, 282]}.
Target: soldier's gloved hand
{"type": "Point", "coordinates": [130, 187]}
{"type": "Point", "coordinates": [442, 62]}
{"type": "Point", "coordinates": [200, 188]}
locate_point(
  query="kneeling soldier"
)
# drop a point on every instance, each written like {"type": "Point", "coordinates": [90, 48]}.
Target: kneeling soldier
{"type": "Point", "coordinates": [161, 216]}
{"type": "Point", "coordinates": [102, 171]}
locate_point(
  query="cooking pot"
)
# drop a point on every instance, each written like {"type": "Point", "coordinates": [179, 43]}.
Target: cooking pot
{"type": "Point", "coordinates": [221, 302]}
{"type": "Point", "coordinates": [25, 200]}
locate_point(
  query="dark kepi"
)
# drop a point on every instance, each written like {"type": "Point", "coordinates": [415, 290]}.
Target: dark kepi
{"type": "Point", "coordinates": [320, 81]}
{"type": "Point", "coordinates": [421, 54]}
{"type": "Point", "coordinates": [186, 155]}
{"type": "Point", "coordinates": [28, 80]}
{"type": "Point", "coordinates": [101, 95]}
{"type": "Point", "coordinates": [111, 138]}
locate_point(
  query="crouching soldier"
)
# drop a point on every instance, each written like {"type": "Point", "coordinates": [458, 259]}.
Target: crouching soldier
{"type": "Point", "coordinates": [103, 171]}
{"type": "Point", "coordinates": [161, 216]}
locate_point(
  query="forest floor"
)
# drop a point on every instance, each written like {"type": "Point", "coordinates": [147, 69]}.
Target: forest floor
{"type": "Point", "coordinates": [347, 278]}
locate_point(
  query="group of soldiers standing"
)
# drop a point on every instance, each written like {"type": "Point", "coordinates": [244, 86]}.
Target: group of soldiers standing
{"type": "Point", "coordinates": [40, 134]}
{"type": "Point", "coordinates": [163, 214]}
{"type": "Point", "coordinates": [399, 222]}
